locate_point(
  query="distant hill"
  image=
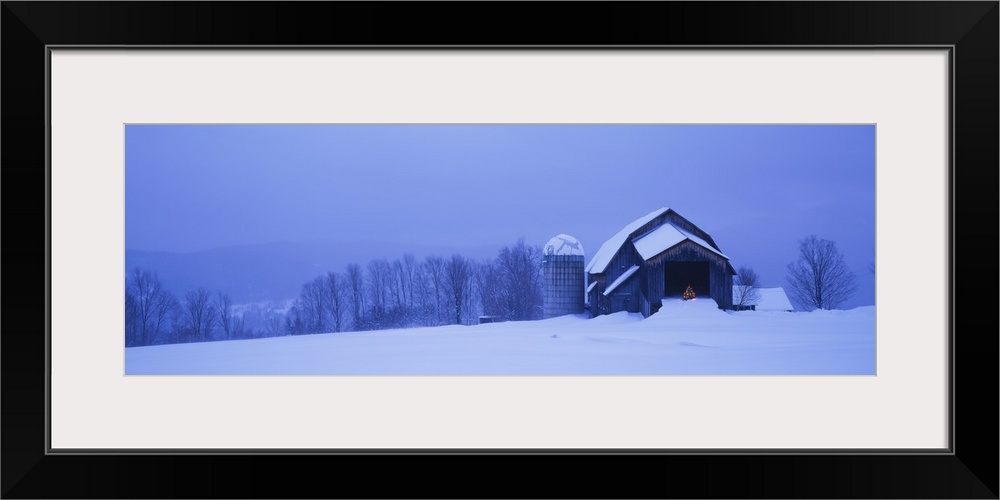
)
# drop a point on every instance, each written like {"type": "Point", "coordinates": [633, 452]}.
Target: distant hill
{"type": "Point", "coordinates": [274, 271]}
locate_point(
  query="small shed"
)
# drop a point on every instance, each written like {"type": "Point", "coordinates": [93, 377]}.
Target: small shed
{"type": "Point", "coordinates": [770, 299]}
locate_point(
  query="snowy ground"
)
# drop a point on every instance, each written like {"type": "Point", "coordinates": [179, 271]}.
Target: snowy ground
{"type": "Point", "coordinates": [685, 337]}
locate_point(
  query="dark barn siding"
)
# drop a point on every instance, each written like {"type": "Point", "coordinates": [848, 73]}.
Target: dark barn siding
{"type": "Point", "coordinates": [597, 303]}
{"type": "Point", "coordinates": [654, 284]}
{"type": "Point", "coordinates": [624, 259]}
{"type": "Point", "coordinates": [626, 297]}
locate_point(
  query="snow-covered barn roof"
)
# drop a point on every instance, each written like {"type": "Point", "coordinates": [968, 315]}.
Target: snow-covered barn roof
{"type": "Point", "coordinates": [591, 287]}
{"type": "Point", "coordinates": [656, 241]}
{"type": "Point", "coordinates": [608, 250]}
{"type": "Point", "coordinates": [771, 299]}
{"type": "Point", "coordinates": [621, 279]}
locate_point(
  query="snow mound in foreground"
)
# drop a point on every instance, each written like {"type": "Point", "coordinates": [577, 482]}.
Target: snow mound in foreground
{"type": "Point", "coordinates": [697, 306]}
{"type": "Point", "coordinates": [697, 311]}
{"type": "Point", "coordinates": [618, 318]}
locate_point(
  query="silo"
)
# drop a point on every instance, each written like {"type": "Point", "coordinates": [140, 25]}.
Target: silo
{"type": "Point", "coordinates": [562, 273]}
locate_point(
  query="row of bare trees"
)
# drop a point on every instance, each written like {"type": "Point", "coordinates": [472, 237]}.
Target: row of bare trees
{"type": "Point", "coordinates": [400, 293]}
{"type": "Point", "coordinates": [153, 315]}
{"type": "Point", "coordinates": [409, 292]}
{"type": "Point", "coordinates": [385, 294]}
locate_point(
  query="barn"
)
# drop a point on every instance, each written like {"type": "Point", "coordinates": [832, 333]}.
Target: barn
{"type": "Point", "coordinates": [657, 256]}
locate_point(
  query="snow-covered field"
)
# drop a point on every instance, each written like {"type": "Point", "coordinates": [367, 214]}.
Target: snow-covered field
{"type": "Point", "coordinates": [684, 337]}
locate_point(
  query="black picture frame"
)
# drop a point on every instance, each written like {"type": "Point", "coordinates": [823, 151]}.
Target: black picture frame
{"type": "Point", "coordinates": [970, 29]}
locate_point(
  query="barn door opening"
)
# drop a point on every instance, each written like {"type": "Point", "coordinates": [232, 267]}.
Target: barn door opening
{"type": "Point", "coordinates": [678, 275]}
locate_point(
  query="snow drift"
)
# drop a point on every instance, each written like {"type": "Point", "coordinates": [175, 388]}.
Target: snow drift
{"type": "Point", "coordinates": [684, 338]}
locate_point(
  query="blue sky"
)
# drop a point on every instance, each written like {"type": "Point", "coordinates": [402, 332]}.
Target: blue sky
{"type": "Point", "coordinates": [757, 189]}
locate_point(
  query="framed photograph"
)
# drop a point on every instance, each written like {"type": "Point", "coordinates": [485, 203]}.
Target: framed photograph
{"type": "Point", "coordinates": [714, 252]}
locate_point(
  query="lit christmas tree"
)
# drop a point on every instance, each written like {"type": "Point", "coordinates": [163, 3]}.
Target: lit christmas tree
{"type": "Point", "coordinates": [689, 293]}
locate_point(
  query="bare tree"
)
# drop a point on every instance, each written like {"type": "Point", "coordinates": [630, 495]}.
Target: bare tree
{"type": "Point", "coordinates": [131, 319]}
{"type": "Point", "coordinates": [520, 269]}
{"type": "Point", "coordinates": [435, 267]}
{"type": "Point", "coordinates": [397, 280]}
{"type": "Point", "coordinates": [356, 283]}
{"type": "Point", "coordinates": [490, 287]}
{"type": "Point", "coordinates": [457, 273]}
{"type": "Point", "coordinates": [470, 302]}
{"type": "Point", "coordinates": [745, 292]}
{"type": "Point", "coordinates": [200, 314]}
{"type": "Point", "coordinates": [294, 324]}
{"type": "Point", "coordinates": [335, 299]}
{"type": "Point", "coordinates": [423, 290]}
{"type": "Point", "coordinates": [410, 270]}
{"type": "Point", "coordinates": [379, 276]}
{"type": "Point", "coordinates": [820, 279]}
{"type": "Point", "coordinates": [180, 330]}
{"type": "Point", "coordinates": [224, 306]}
{"type": "Point", "coordinates": [149, 308]}
{"type": "Point", "coordinates": [510, 286]}
{"type": "Point", "coordinates": [312, 305]}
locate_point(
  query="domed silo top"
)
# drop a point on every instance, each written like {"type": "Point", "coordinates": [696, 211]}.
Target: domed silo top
{"type": "Point", "coordinates": [563, 244]}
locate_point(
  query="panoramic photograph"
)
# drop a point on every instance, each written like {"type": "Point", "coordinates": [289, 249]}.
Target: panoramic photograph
{"type": "Point", "coordinates": [499, 250]}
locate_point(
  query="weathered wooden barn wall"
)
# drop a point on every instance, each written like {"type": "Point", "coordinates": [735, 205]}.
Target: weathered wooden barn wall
{"type": "Point", "coordinates": [721, 282]}
{"type": "Point", "coordinates": [626, 296]}
{"type": "Point", "coordinates": [624, 259]}
{"type": "Point", "coordinates": [596, 297]}
{"type": "Point", "coordinates": [642, 284]}
{"type": "Point", "coordinates": [654, 281]}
